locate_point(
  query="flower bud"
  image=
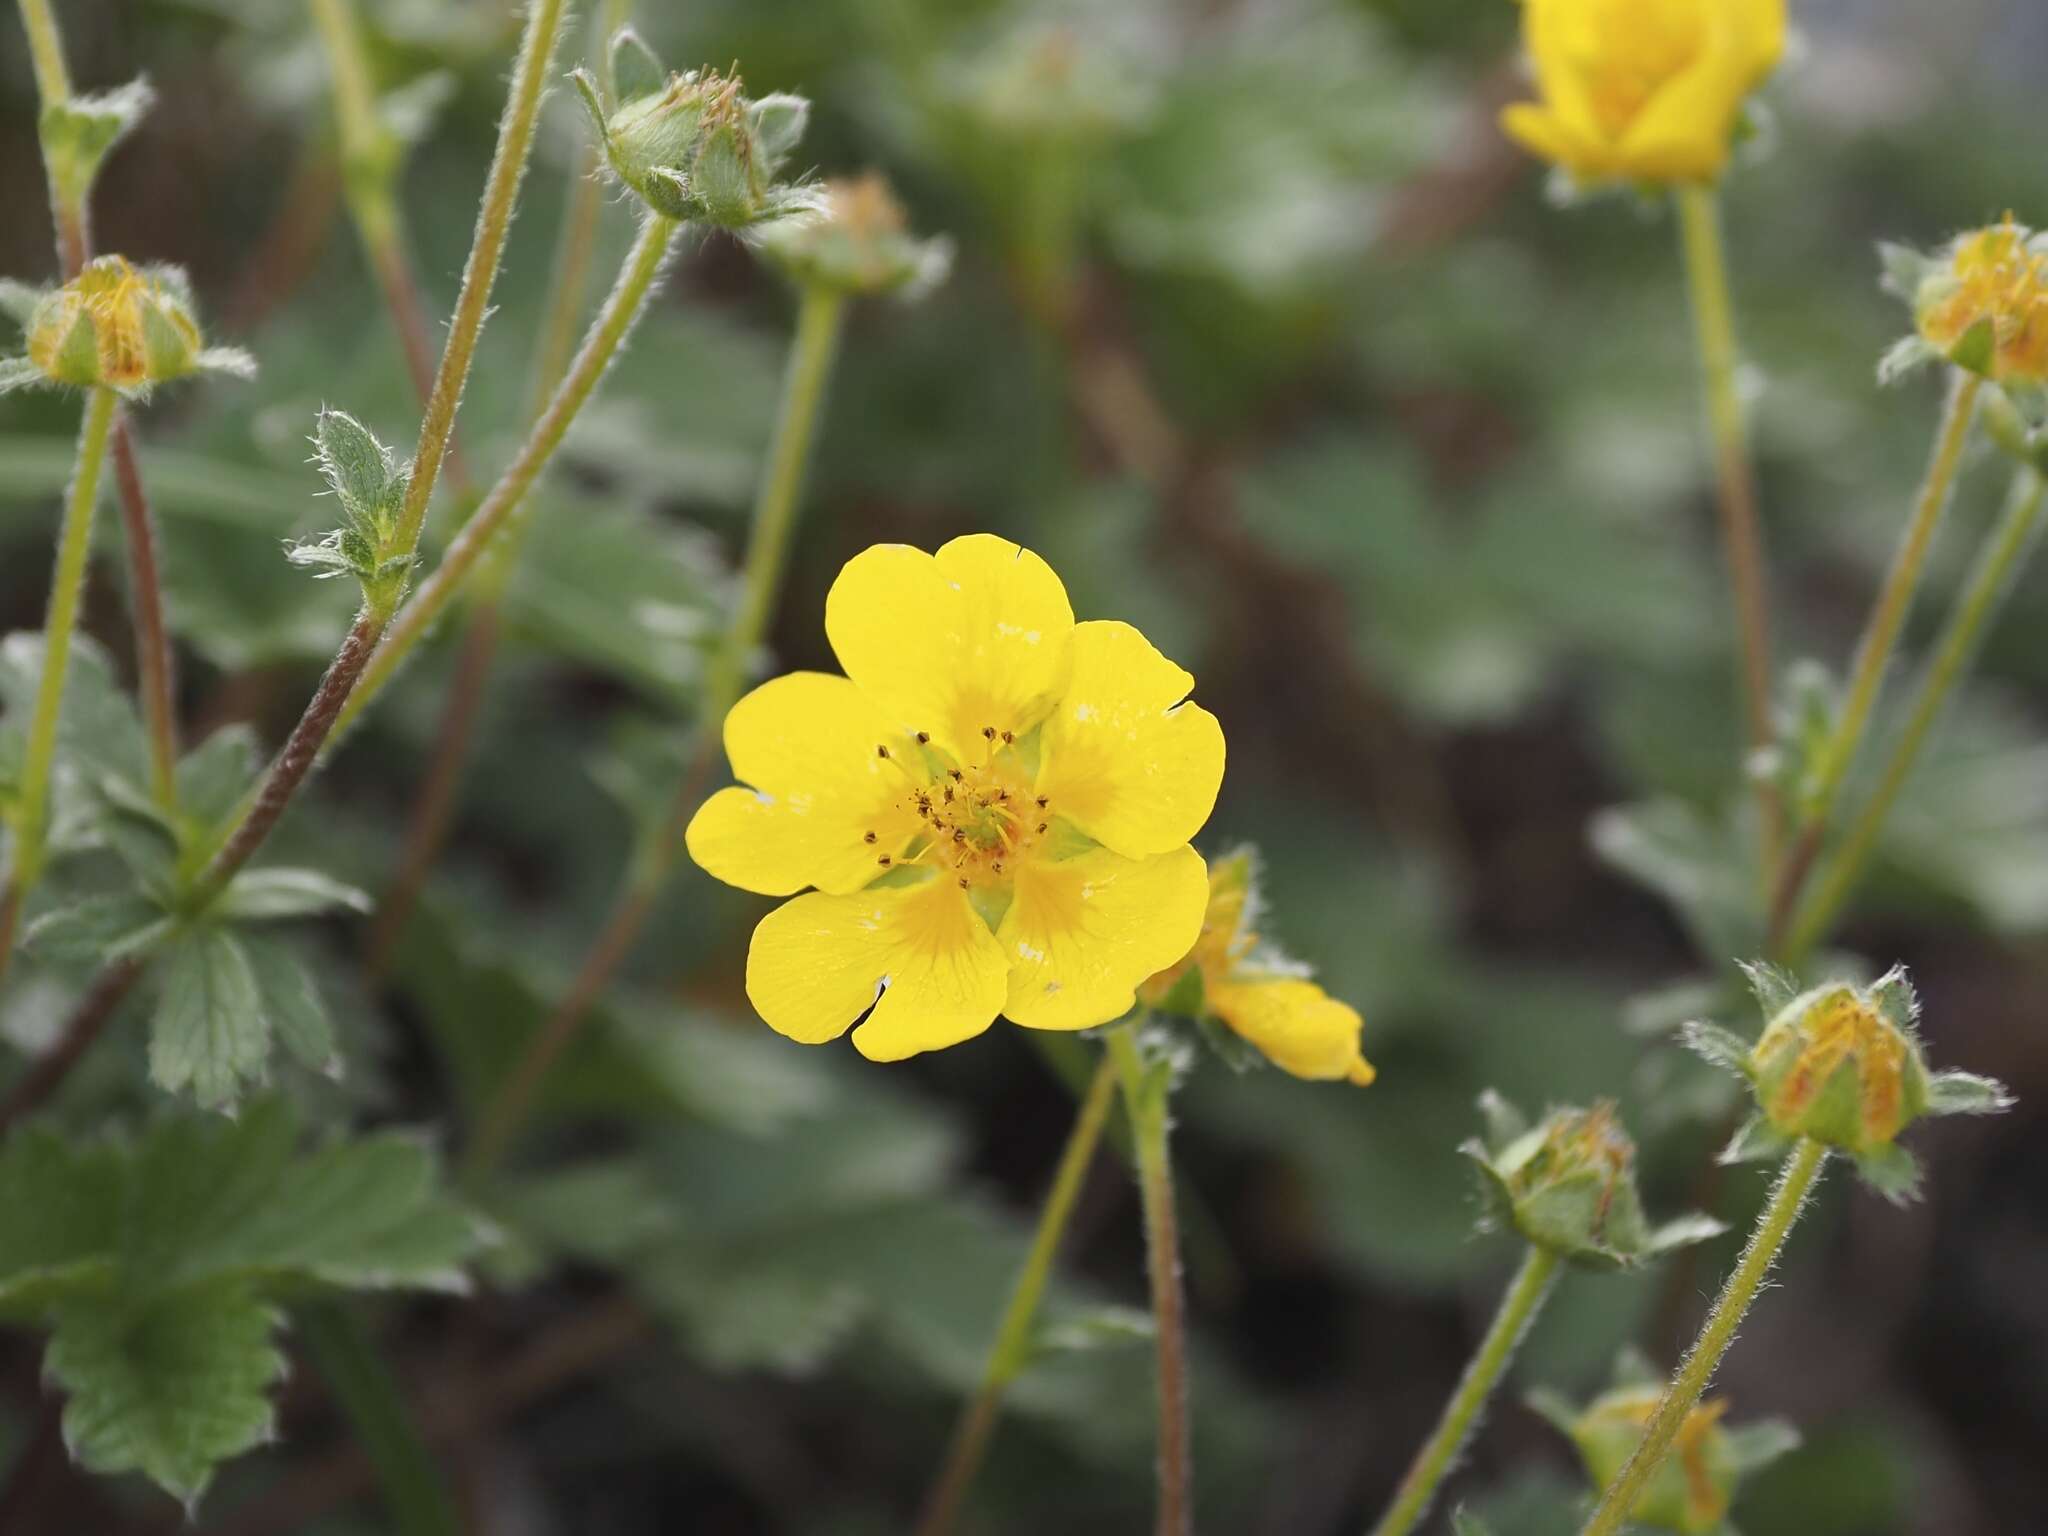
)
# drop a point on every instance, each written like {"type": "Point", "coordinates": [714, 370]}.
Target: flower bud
{"type": "Point", "coordinates": [126, 329]}
{"type": "Point", "coordinates": [1568, 1185]}
{"type": "Point", "coordinates": [1841, 1064]}
{"type": "Point", "coordinates": [1982, 302]}
{"type": "Point", "coordinates": [694, 147]}
{"type": "Point", "coordinates": [1692, 1489]}
{"type": "Point", "coordinates": [857, 243]}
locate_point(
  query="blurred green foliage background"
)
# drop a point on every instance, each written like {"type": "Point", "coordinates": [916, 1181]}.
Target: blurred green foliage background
{"type": "Point", "coordinates": [1266, 340]}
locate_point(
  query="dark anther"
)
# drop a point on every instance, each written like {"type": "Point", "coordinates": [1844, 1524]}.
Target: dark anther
{"type": "Point", "coordinates": [923, 737]}
{"type": "Point", "coordinates": [955, 775]}
{"type": "Point", "coordinates": [988, 733]}
{"type": "Point", "coordinates": [881, 751]}
{"type": "Point", "coordinates": [883, 861]}
{"type": "Point", "coordinates": [1008, 738]}
{"type": "Point", "coordinates": [1043, 825]}
{"type": "Point", "coordinates": [869, 838]}
{"type": "Point", "coordinates": [963, 882]}
{"type": "Point", "coordinates": [1044, 801]}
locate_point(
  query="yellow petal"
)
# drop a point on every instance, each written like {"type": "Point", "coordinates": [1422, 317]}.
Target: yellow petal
{"type": "Point", "coordinates": [919, 954]}
{"type": "Point", "coordinates": [1546, 135]}
{"type": "Point", "coordinates": [1685, 131]}
{"type": "Point", "coordinates": [806, 744]}
{"type": "Point", "coordinates": [1123, 758]}
{"type": "Point", "coordinates": [1296, 1025]}
{"type": "Point", "coordinates": [1082, 933]}
{"type": "Point", "coordinates": [972, 638]}
{"type": "Point", "coordinates": [1762, 24]}
{"type": "Point", "coordinates": [1559, 35]}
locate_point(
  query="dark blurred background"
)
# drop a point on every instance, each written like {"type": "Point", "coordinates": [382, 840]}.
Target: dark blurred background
{"type": "Point", "coordinates": [1267, 341]}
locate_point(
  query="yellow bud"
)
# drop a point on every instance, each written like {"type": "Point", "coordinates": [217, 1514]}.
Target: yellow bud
{"type": "Point", "coordinates": [1692, 1489]}
{"type": "Point", "coordinates": [123, 328]}
{"type": "Point", "coordinates": [1984, 303]}
{"type": "Point", "coordinates": [1643, 90]}
{"type": "Point", "coordinates": [1840, 1065]}
{"type": "Point", "coordinates": [857, 242]}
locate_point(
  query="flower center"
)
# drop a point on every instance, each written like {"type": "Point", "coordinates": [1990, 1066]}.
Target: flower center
{"type": "Point", "coordinates": [976, 818]}
{"type": "Point", "coordinates": [1629, 50]}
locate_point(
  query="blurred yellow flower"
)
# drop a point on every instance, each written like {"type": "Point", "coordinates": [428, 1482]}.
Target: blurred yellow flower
{"type": "Point", "coordinates": [994, 805]}
{"type": "Point", "coordinates": [1292, 1021]}
{"type": "Point", "coordinates": [1642, 90]}
{"type": "Point", "coordinates": [1994, 278]}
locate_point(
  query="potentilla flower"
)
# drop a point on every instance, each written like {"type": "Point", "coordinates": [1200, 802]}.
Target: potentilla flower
{"type": "Point", "coordinates": [113, 325]}
{"type": "Point", "coordinates": [1260, 995]}
{"type": "Point", "coordinates": [1643, 90]}
{"type": "Point", "coordinates": [993, 805]}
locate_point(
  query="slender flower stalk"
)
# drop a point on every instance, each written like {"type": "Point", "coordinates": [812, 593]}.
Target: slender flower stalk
{"type": "Point", "coordinates": [67, 588]}
{"type": "Point", "coordinates": [810, 365]}
{"type": "Point", "coordinates": [600, 346]}
{"type": "Point", "coordinates": [440, 785]}
{"type": "Point", "coordinates": [1706, 267]}
{"type": "Point", "coordinates": [2004, 553]}
{"type": "Point", "coordinates": [1518, 1310]}
{"type": "Point", "coordinates": [1012, 1349]}
{"type": "Point", "coordinates": [1774, 1225]}
{"type": "Point", "coordinates": [153, 656]}
{"type": "Point", "coordinates": [1146, 1093]}
{"type": "Point", "coordinates": [480, 272]}
{"type": "Point", "coordinates": [1874, 650]}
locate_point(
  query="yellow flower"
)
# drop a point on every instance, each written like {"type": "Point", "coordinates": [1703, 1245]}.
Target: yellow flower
{"type": "Point", "coordinates": [1643, 90]}
{"type": "Point", "coordinates": [1292, 1021]}
{"type": "Point", "coordinates": [1995, 278]}
{"type": "Point", "coordinates": [115, 326]}
{"type": "Point", "coordinates": [994, 805]}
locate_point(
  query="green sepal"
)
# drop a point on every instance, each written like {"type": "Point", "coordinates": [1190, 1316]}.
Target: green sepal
{"type": "Point", "coordinates": [1754, 1141]}
{"type": "Point", "coordinates": [1905, 356]}
{"type": "Point", "coordinates": [1718, 1047]}
{"type": "Point", "coordinates": [1752, 1447]}
{"type": "Point", "coordinates": [18, 300]}
{"type": "Point", "coordinates": [1905, 269]}
{"type": "Point", "coordinates": [1187, 997]}
{"type": "Point", "coordinates": [1977, 349]}
{"type": "Point", "coordinates": [1966, 1093]}
{"type": "Point", "coordinates": [637, 69]}
{"type": "Point", "coordinates": [1892, 1172]}
{"type": "Point", "coordinates": [19, 373]}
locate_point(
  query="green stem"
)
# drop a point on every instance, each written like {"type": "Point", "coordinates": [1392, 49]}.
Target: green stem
{"type": "Point", "coordinates": [480, 272]}
{"type": "Point", "coordinates": [347, 1358]}
{"type": "Point", "coordinates": [46, 51]}
{"type": "Point", "coordinates": [2000, 559]}
{"type": "Point", "coordinates": [1774, 1225]}
{"type": "Point", "coordinates": [67, 588]}
{"type": "Point", "coordinates": [1706, 267]}
{"type": "Point", "coordinates": [803, 390]}
{"type": "Point", "coordinates": [1874, 649]}
{"type": "Point", "coordinates": [1525, 1297]}
{"type": "Point", "coordinates": [600, 345]}
{"type": "Point", "coordinates": [1012, 1348]}
{"type": "Point", "coordinates": [1146, 1091]}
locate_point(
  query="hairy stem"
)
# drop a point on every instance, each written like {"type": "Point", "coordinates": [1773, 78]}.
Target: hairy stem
{"type": "Point", "coordinates": [67, 589]}
{"type": "Point", "coordinates": [1012, 1348]}
{"type": "Point", "coordinates": [1146, 1102]}
{"type": "Point", "coordinates": [480, 272]}
{"type": "Point", "coordinates": [2003, 555]}
{"type": "Point", "coordinates": [600, 346]}
{"type": "Point", "coordinates": [1774, 1225]}
{"type": "Point", "coordinates": [1518, 1309]}
{"type": "Point", "coordinates": [1874, 650]}
{"type": "Point", "coordinates": [1706, 267]}
{"type": "Point", "coordinates": [803, 391]}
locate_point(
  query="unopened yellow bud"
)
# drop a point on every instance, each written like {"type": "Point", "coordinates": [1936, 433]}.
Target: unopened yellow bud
{"type": "Point", "coordinates": [858, 242]}
{"type": "Point", "coordinates": [1840, 1064]}
{"type": "Point", "coordinates": [122, 328]}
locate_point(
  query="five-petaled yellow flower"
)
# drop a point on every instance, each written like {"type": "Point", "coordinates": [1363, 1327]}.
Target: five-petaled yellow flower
{"type": "Point", "coordinates": [1643, 90]}
{"type": "Point", "coordinates": [1268, 1000]}
{"type": "Point", "coordinates": [994, 805]}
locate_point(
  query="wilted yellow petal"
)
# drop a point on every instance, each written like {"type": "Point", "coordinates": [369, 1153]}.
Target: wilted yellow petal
{"type": "Point", "coordinates": [1123, 757]}
{"type": "Point", "coordinates": [806, 744]}
{"type": "Point", "coordinates": [970, 639]}
{"type": "Point", "coordinates": [1082, 933]}
{"type": "Point", "coordinates": [918, 954]}
{"type": "Point", "coordinates": [1296, 1025]}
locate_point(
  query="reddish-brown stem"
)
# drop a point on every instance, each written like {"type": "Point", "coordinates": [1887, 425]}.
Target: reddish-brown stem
{"type": "Point", "coordinates": [88, 1021]}
{"type": "Point", "coordinates": [153, 659]}
{"type": "Point", "coordinates": [295, 760]}
{"type": "Point", "coordinates": [1791, 879]}
{"type": "Point", "coordinates": [10, 916]}
{"type": "Point", "coordinates": [435, 808]}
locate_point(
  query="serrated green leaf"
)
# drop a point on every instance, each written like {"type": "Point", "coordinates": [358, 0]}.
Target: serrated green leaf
{"type": "Point", "coordinates": [97, 930]}
{"type": "Point", "coordinates": [292, 1003]}
{"type": "Point", "coordinates": [169, 1387]}
{"type": "Point", "coordinates": [214, 775]}
{"type": "Point", "coordinates": [275, 895]}
{"type": "Point", "coordinates": [1965, 1093]}
{"type": "Point", "coordinates": [208, 1033]}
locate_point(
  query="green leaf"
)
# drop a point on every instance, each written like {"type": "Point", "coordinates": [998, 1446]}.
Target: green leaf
{"type": "Point", "coordinates": [1669, 847]}
{"type": "Point", "coordinates": [208, 1033]}
{"type": "Point", "coordinates": [274, 895]}
{"type": "Point", "coordinates": [358, 467]}
{"type": "Point", "coordinates": [214, 775]}
{"type": "Point", "coordinates": [97, 930]}
{"type": "Point", "coordinates": [1465, 1523]}
{"type": "Point", "coordinates": [1965, 1093]}
{"type": "Point", "coordinates": [60, 1213]}
{"type": "Point", "coordinates": [168, 1387]}
{"type": "Point", "coordinates": [292, 1004]}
